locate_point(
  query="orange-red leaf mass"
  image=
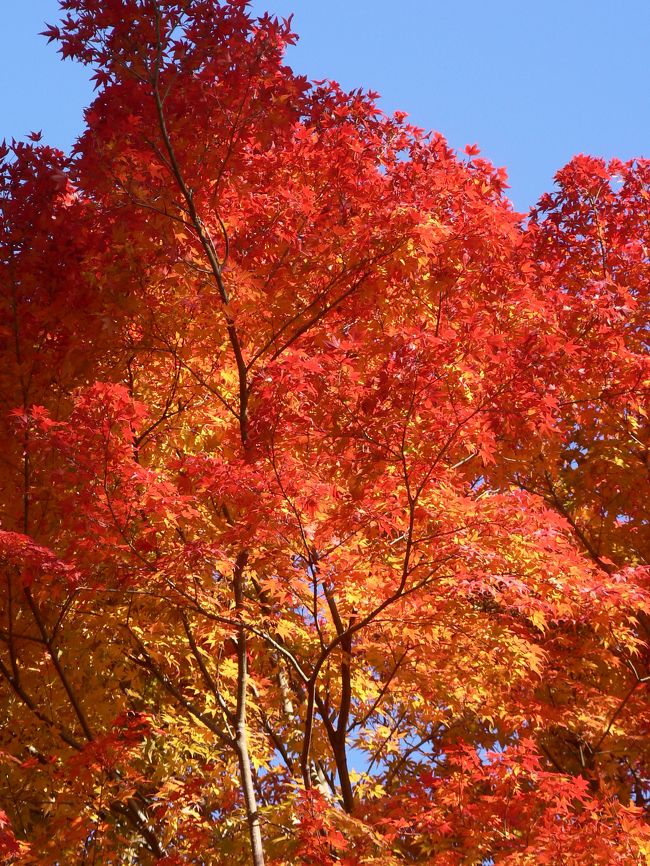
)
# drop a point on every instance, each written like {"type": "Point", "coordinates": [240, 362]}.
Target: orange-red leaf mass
{"type": "Point", "coordinates": [324, 530]}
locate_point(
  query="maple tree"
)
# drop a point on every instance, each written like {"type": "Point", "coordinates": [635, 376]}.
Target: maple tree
{"type": "Point", "coordinates": [323, 531]}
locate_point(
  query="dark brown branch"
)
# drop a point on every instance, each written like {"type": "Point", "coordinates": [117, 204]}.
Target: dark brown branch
{"type": "Point", "coordinates": [209, 681]}
{"type": "Point", "coordinates": [54, 656]}
{"type": "Point", "coordinates": [147, 662]}
{"type": "Point", "coordinates": [202, 234]}
{"type": "Point", "coordinates": [67, 738]}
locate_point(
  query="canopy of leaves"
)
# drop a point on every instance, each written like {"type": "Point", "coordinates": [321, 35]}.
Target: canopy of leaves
{"type": "Point", "coordinates": [324, 531]}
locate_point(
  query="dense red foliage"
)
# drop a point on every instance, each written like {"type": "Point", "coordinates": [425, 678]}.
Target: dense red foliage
{"type": "Point", "coordinates": [324, 533]}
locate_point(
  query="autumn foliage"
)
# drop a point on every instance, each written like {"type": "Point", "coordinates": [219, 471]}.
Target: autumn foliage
{"type": "Point", "coordinates": [324, 532]}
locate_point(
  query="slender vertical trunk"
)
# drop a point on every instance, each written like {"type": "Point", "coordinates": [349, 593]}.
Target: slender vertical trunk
{"type": "Point", "coordinates": [341, 758]}
{"type": "Point", "coordinates": [338, 736]}
{"type": "Point", "coordinates": [241, 731]}
{"type": "Point", "coordinates": [254, 829]}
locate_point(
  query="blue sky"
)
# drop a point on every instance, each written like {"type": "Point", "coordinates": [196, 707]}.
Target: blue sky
{"type": "Point", "coordinates": [531, 81]}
